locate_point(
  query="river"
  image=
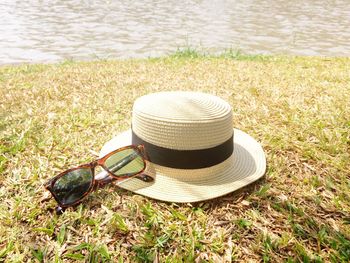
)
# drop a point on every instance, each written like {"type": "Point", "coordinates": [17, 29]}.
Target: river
{"type": "Point", "coordinates": [49, 31]}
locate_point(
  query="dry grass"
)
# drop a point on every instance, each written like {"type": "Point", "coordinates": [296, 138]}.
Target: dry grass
{"type": "Point", "coordinates": [56, 116]}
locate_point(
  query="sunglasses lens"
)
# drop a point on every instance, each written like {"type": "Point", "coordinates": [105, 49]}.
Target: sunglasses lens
{"type": "Point", "coordinates": [73, 185]}
{"type": "Point", "coordinates": [127, 162]}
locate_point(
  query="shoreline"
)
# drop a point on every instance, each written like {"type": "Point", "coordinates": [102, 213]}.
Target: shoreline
{"type": "Point", "coordinates": [180, 53]}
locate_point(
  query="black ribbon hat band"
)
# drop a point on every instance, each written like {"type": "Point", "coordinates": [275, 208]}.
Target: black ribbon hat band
{"type": "Point", "coordinates": [186, 159]}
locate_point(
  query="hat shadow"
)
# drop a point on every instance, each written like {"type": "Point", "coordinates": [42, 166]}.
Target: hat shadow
{"type": "Point", "coordinates": [233, 197]}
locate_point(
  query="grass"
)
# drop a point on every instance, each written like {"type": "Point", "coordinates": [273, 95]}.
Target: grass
{"type": "Point", "coordinates": [59, 115]}
{"type": "Point", "coordinates": [189, 52]}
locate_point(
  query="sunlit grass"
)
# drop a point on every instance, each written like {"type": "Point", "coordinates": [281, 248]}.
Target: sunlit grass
{"type": "Point", "coordinates": [59, 115]}
{"type": "Point", "coordinates": [190, 52]}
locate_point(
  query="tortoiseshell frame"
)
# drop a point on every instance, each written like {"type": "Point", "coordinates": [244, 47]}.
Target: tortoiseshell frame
{"type": "Point", "coordinates": [100, 183]}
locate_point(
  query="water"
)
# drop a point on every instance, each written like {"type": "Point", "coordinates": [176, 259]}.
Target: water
{"type": "Point", "coordinates": [48, 31]}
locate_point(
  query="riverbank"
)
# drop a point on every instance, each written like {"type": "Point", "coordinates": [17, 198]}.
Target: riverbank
{"type": "Point", "coordinates": [58, 115]}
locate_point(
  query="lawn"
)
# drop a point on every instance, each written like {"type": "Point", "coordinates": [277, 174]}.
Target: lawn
{"type": "Point", "coordinates": [56, 116]}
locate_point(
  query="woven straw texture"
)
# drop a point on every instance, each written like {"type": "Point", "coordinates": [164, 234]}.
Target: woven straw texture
{"type": "Point", "coordinates": [187, 121]}
{"type": "Point", "coordinates": [182, 120]}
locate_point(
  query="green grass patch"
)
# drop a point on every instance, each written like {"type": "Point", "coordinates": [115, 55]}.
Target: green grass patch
{"type": "Point", "coordinates": [234, 54]}
{"type": "Point", "coordinates": [55, 116]}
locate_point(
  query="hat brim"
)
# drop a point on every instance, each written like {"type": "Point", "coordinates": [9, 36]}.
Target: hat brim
{"type": "Point", "coordinates": [246, 165]}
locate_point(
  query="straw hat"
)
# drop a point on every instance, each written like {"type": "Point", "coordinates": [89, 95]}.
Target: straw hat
{"type": "Point", "coordinates": [195, 154]}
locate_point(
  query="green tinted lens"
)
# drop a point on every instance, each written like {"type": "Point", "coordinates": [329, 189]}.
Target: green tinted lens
{"type": "Point", "coordinates": [72, 186]}
{"type": "Point", "coordinates": [127, 162]}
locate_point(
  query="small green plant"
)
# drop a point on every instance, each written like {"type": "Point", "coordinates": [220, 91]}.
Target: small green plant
{"type": "Point", "coordinates": [187, 52]}
{"type": "Point", "coordinates": [89, 253]}
{"type": "Point", "coordinates": [244, 223]}
{"type": "Point", "coordinates": [153, 218]}
{"type": "Point", "coordinates": [39, 254]}
{"type": "Point", "coordinates": [263, 191]}
{"type": "Point", "coordinates": [3, 252]}
{"type": "Point", "coordinates": [61, 235]}
{"type": "Point", "coordinates": [119, 223]}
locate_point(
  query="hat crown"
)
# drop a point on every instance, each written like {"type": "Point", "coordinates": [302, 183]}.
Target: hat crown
{"type": "Point", "coordinates": [182, 120]}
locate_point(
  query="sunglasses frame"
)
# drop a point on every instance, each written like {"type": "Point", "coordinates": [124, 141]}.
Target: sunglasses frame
{"type": "Point", "coordinates": [95, 184]}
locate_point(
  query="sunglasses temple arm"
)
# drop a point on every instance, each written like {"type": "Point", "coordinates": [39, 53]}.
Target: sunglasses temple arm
{"type": "Point", "coordinates": [104, 181]}
{"type": "Point", "coordinates": [143, 152]}
{"type": "Point", "coordinates": [109, 179]}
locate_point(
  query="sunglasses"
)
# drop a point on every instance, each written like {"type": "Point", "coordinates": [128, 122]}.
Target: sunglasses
{"type": "Point", "coordinates": [72, 186]}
